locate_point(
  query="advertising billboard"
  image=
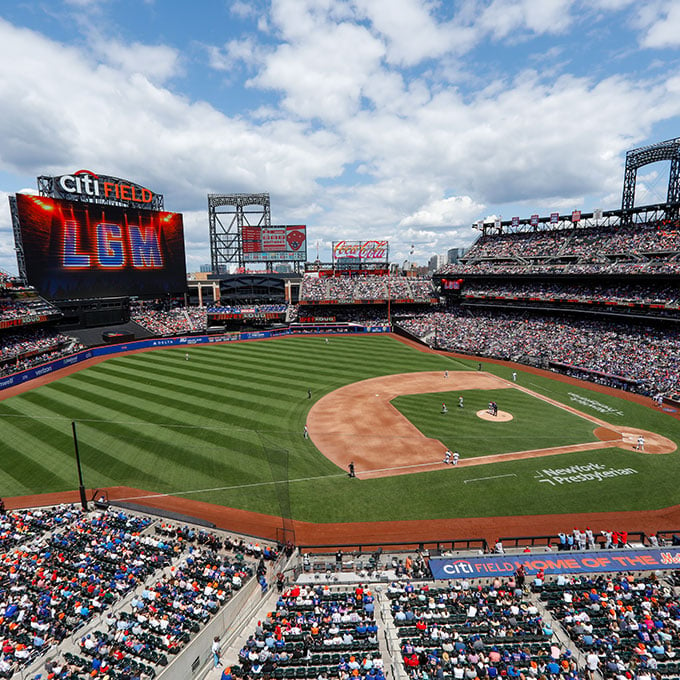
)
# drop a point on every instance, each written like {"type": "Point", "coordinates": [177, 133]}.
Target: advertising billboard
{"type": "Point", "coordinates": [274, 244]}
{"type": "Point", "coordinates": [82, 250]}
{"type": "Point", "coordinates": [371, 251]}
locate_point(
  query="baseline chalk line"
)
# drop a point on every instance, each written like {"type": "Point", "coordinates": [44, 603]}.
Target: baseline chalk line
{"type": "Point", "coordinates": [479, 479]}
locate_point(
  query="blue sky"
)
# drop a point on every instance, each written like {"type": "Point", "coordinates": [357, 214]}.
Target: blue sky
{"type": "Point", "coordinates": [399, 119]}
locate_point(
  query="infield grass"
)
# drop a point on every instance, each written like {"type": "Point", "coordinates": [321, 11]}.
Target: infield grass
{"type": "Point", "coordinates": [226, 427]}
{"type": "Point", "coordinates": [460, 429]}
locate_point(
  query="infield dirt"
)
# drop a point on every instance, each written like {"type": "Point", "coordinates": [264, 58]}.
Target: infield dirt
{"type": "Point", "coordinates": [357, 423]}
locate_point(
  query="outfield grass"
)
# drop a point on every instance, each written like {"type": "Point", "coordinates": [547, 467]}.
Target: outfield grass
{"type": "Point", "coordinates": [463, 431]}
{"type": "Point", "coordinates": [226, 427]}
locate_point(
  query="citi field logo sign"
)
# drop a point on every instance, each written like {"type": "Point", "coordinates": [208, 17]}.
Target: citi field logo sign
{"type": "Point", "coordinates": [87, 183]}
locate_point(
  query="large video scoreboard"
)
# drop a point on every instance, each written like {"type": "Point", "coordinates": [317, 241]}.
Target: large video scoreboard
{"type": "Point", "coordinates": [97, 248]}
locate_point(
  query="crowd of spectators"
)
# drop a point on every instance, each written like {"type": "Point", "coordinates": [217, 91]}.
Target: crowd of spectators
{"type": "Point", "coordinates": [53, 583]}
{"type": "Point", "coordinates": [627, 240]}
{"type": "Point", "coordinates": [627, 627]}
{"type": "Point", "coordinates": [360, 289]}
{"type": "Point", "coordinates": [467, 631]}
{"type": "Point", "coordinates": [62, 569]}
{"type": "Point", "coordinates": [19, 351]}
{"type": "Point", "coordinates": [8, 280]}
{"type": "Point", "coordinates": [512, 268]}
{"type": "Point", "coordinates": [175, 321]}
{"type": "Point", "coordinates": [12, 309]}
{"type": "Point", "coordinates": [315, 633]}
{"type": "Point", "coordinates": [646, 359]}
{"type": "Point", "coordinates": [635, 249]}
{"type": "Point", "coordinates": [623, 293]}
{"type": "Point", "coordinates": [25, 305]}
{"type": "Point", "coordinates": [161, 620]}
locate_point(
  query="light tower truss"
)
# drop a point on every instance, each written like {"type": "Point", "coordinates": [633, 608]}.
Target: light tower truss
{"type": "Point", "coordinates": [636, 158]}
{"type": "Point", "coordinates": [227, 215]}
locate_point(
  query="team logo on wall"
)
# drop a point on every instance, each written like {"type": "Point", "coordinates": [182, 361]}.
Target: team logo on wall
{"type": "Point", "coordinates": [295, 238]}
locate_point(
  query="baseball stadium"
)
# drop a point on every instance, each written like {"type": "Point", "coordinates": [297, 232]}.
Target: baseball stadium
{"type": "Point", "coordinates": [348, 470]}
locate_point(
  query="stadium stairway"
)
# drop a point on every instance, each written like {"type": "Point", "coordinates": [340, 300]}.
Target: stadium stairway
{"type": "Point", "coordinates": [254, 609]}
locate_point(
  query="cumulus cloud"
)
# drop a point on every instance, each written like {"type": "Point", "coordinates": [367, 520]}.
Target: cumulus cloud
{"type": "Point", "coordinates": [508, 17]}
{"type": "Point", "coordinates": [455, 210]}
{"type": "Point", "coordinates": [662, 24]}
{"type": "Point", "coordinates": [411, 32]}
{"type": "Point", "coordinates": [354, 129]}
{"type": "Point", "coordinates": [324, 75]}
{"type": "Point", "coordinates": [156, 62]}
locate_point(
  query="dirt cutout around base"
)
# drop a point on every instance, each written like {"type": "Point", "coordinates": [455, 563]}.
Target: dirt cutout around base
{"type": "Point", "coordinates": [357, 423]}
{"type": "Point", "coordinates": [500, 417]}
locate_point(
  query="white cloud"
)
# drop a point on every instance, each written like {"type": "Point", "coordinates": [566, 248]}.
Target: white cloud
{"type": "Point", "coordinates": [503, 18]}
{"type": "Point", "coordinates": [157, 62]}
{"type": "Point", "coordinates": [233, 53]}
{"type": "Point", "coordinates": [325, 74]}
{"type": "Point", "coordinates": [243, 9]}
{"type": "Point", "coordinates": [613, 5]}
{"type": "Point", "coordinates": [663, 29]}
{"type": "Point", "coordinates": [410, 31]}
{"type": "Point", "coordinates": [455, 210]}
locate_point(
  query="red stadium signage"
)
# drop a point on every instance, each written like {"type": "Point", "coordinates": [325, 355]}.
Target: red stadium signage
{"type": "Point", "coordinates": [361, 250]}
{"type": "Point", "coordinates": [534, 220]}
{"type": "Point", "coordinates": [274, 244]}
{"type": "Point", "coordinates": [554, 218]}
{"type": "Point", "coordinates": [576, 216]}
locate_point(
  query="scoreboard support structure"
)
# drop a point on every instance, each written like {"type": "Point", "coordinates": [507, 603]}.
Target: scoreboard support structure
{"type": "Point", "coordinates": [227, 215]}
{"type": "Point", "coordinates": [18, 244]}
{"type": "Point", "coordinates": [241, 233]}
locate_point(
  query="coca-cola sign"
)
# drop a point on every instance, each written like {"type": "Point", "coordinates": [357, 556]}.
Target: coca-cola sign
{"type": "Point", "coordinates": [361, 250]}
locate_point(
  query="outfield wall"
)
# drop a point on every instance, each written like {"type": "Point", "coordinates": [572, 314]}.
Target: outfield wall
{"type": "Point", "coordinates": [184, 341]}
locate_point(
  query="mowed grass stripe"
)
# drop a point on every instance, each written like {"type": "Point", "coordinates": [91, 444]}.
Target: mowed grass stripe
{"type": "Point", "coordinates": [153, 440]}
{"type": "Point", "coordinates": [167, 386]}
{"type": "Point", "coordinates": [32, 460]}
{"type": "Point", "coordinates": [194, 411]}
{"type": "Point", "coordinates": [219, 377]}
{"type": "Point", "coordinates": [167, 466]}
{"type": "Point", "coordinates": [266, 373]}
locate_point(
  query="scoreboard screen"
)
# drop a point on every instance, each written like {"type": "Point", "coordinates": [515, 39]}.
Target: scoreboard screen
{"type": "Point", "coordinates": [275, 244]}
{"type": "Point", "coordinates": [83, 250]}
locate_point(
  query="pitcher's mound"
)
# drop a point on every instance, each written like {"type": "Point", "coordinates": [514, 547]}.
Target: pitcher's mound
{"type": "Point", "coordinates": [502, 417]}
